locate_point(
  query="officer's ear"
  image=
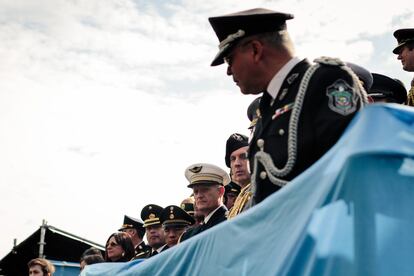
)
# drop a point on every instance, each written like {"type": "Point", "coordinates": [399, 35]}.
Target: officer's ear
{"type": "Point", "coordinates": [257, 49]}
{"type": "Point", "coordinates": [221, 190]}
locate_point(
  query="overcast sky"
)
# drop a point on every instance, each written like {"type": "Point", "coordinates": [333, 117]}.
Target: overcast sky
{"type": "Point", "coordinates": [104, 103]}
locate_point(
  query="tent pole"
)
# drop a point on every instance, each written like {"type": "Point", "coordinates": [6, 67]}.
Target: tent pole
{"type": "Point", "coordinates": [42, 242]}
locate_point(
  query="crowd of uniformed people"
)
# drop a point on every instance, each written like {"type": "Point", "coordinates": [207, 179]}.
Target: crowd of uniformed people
{"type": "Point", "coordinates": [301, 110]}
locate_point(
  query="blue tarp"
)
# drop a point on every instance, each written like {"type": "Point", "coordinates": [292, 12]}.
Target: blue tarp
{"type": "Point", "coordinates": [65, 268]}
{"type": "Point", "coordinates": [351, 213]}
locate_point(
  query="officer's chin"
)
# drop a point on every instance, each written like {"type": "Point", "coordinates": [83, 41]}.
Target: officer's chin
{"type": "Point", "coordinates": [250, 91]}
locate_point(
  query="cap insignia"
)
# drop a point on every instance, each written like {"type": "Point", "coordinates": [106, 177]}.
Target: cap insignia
{"type": "Point", "coordinates": [230, 38]}
{"type": "Point", "coordinates": [196, 169]}
{"type": "Point", "coordinates": [171, 216]}
{"type": "Point", "coordinates": [151, 216]}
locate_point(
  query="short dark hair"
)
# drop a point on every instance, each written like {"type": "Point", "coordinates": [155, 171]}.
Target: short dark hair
{"type": "Point", "coordinates": [91, 251]}
{"type": "Point", "coordinates": [93, 259]}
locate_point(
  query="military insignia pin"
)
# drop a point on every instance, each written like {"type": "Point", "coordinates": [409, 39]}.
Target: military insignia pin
{"type": "Point", "coordinates": [283, 94]}
{"type": "Point", "coordinates": [292, 78]}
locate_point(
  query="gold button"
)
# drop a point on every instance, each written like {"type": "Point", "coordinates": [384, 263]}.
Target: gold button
{"type": "Point", "coordinates": [281, 132]}
{"type": "Point", "coordinates": [263, 175]}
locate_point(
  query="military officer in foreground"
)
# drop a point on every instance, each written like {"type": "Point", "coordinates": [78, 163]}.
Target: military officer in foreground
{"type": "Point", "coordinates": [207, 182]}
{"type": "Point", "coordinates": [151, 215]}
{"type": "Point", "coordinates": [304, 107]}
{"type": "Point", "coordinates": [174, 222]}
{"type": "Point", "coordinates": [134, 227]}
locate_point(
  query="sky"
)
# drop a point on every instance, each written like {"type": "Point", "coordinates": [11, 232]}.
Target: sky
{"type": "Point", "coordinates": [104, 103]}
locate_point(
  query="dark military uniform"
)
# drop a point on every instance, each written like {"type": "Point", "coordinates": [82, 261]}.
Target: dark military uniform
{"type": "Point", "coordinates": [141, 248]}
{"type": "Point", "coordinates": [150, 253]}
{"type": "Point", "coordinates": [313, 121]}
{"type": "Point", "coordinates": [130, 222]}
{"type": "Point", "coordinates": [219, 216]}
{"type": "Point", "coordinates": [313, 105]}
{"type": "Point", "coordinates": [206, 174]}
{"type": "Point", "coordinates": [151, 214]}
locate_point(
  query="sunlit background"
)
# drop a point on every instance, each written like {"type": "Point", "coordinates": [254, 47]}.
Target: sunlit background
{"type": "Point", "coordinates": [104, 103]}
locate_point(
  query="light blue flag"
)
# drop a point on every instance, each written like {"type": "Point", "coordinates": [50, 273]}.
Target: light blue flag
{"type": "Point", "coordinates": [351, 213]}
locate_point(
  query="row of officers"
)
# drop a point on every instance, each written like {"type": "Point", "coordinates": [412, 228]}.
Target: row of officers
{"type": "Point", "coordinates": [166, 227]}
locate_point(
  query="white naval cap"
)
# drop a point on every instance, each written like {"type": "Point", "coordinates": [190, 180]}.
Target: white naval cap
{"type": "Point", "coordinates": [203, 173]}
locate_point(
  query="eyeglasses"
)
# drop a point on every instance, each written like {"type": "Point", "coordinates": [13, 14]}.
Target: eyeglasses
{"type": "Point", "coordinates": [112, 244]}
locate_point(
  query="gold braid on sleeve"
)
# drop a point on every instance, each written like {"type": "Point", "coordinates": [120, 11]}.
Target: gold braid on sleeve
{"type": "Point", "coordinates": [410, 96]}
{"type": "Point", "coordinates": [240, 202]}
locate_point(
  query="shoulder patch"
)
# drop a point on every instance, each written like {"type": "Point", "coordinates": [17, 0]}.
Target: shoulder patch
{"type": "Point", "coordinates": [329, 61]}
{"type": "Point", "coordinates": [342, 99]}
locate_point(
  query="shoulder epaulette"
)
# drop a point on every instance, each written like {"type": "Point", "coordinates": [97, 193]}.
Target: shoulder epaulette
{"type": "Point", "coordinates": [329, 61]}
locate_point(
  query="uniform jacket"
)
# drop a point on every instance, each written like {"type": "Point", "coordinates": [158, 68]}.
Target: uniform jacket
{"type": "Point", "coordinates": [141, 250]}
{"type": "Point", "coordinates": [330, 103]}
{"type": "Point", "coordinates": [219, 216]}
{"type": "Point", "coordinates": [149, 253]}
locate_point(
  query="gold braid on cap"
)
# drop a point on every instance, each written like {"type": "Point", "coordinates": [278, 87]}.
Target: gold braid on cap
{"type": "Point", "coordinates": [200, 177]}
{"type": "Point", "coordinates": [230, 38]}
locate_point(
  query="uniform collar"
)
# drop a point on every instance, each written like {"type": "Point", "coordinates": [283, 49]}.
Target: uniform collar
{"type": "Point", "coordinates": [207, 218]}
{"type": "Point", "coordinates": [160, 248]}
{"type": "Point", "coordinates": [277, 81]}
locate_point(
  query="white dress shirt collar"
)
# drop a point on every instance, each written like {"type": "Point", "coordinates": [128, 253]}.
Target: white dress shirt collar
{"type": "Point", "coordinates": [277, 81]}
{"type": "Point", "coordinates": [207, 218]}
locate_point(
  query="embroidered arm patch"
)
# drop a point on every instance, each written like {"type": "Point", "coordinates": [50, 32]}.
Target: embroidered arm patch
{"type": "Point", "coordinates": [342, 98]}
